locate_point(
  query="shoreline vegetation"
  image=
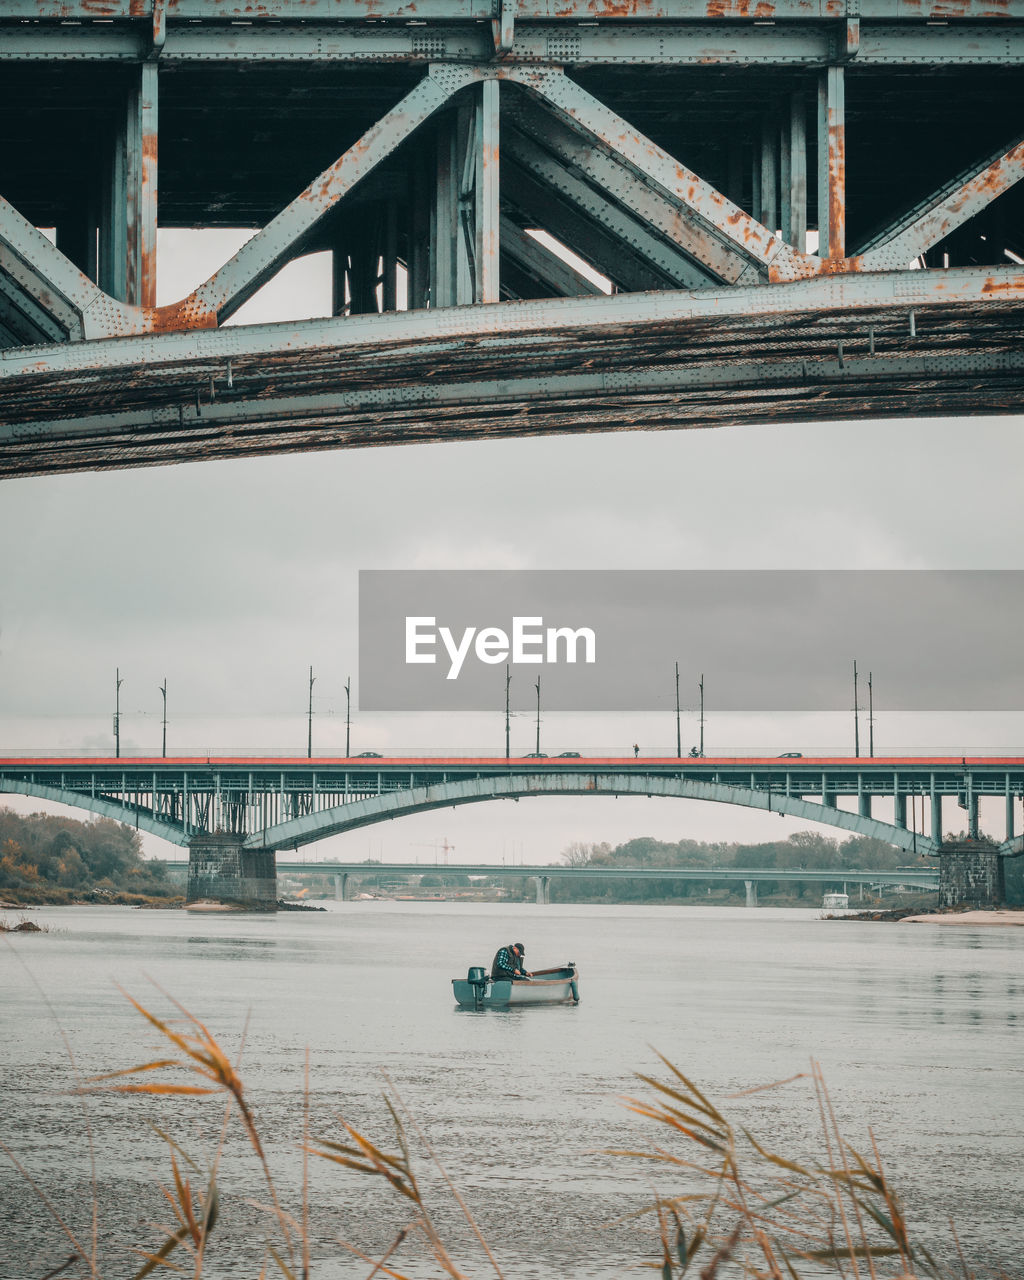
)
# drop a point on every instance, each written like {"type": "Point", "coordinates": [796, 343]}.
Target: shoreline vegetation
{"type": "Point", "coordinates": [738, 1206]}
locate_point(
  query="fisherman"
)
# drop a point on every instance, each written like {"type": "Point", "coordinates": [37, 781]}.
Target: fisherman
{"type": "Point", "coordinates": [508, 964]}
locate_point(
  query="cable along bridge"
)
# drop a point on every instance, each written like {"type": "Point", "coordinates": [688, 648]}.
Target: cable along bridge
{"type": "Point", "coordinates": [798, 210]}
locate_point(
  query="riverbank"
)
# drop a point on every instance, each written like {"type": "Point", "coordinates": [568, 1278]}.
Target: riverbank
{"type": "Point", "coordinates": [996, 916]}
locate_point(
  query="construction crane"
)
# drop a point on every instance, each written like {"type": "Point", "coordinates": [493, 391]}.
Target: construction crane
{"type": "Point", "coordinates": [442, 844]}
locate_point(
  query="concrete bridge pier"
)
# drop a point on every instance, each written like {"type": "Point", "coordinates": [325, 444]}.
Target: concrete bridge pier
{"type": "Point", "coordinates": [751, 892]}
{"type": "Point", "coordinates": [971, 874]}
{"type": "Point", "coordinates": [221, 870]}
{"type": "Point", "coordinates": [543, 884]}
{"type": "Point", "coordinates": [341, 887]}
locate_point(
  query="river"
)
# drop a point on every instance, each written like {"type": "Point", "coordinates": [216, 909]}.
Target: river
{"type": "Point", "coordinates": [918, 1030]}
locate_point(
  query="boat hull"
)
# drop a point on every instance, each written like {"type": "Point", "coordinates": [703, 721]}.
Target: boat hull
{"type": "Point", "coordinates": [547, 986]}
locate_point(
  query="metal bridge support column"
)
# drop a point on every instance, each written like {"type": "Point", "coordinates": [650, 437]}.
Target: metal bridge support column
{"type": "Point", "coordinates": [973, 829]}
{"type": "Point", "coordinates": [464, 229]}
{"type": "Point", "coordinates": [971, 874]}
{"type": "Point", "coordinates": [832, 164]}
{"type": "Point", "coordinates": [936, 824]}
{"type": "Point", "coordinates": [543, 884]}
{"type": "Point", "coordinates": [794, 194]}
{"type": "Point", "coordinates": [768, 207]}
{"type": "Point", "coordinates": [128, 221]}
{"type": "Point", "coordinates": [1009, 811]}
{"type": "Point", "coordinates": [220, 870]}
{"type": "Point", "coordinates": [751, 892]}
{"type": "Point", "coordinates": [864, 804]}
{"type": "Point", "coordinates": [899, 816]}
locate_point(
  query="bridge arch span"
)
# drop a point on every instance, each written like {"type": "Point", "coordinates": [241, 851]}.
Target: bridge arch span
{"type": "Point", "coordinates": [396, 804]}
{"type": "Point", "coordinates": [130, 814]}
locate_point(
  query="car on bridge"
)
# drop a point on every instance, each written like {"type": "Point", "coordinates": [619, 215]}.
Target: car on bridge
{"type": "Point", "coordinates": [536, 755]}
{"type": "Point", "coordinates": [569, 755]}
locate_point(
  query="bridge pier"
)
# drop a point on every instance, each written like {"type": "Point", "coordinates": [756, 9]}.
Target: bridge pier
{"type": "Point", "coordinates": [221, 870]}
{"type": "Point", "coordinates": [341, 887]}
{"type": "Point", "coordinates": [543, 884]}
{"type": "Point", "coordinates": [971, 874]}
{"type": "Point", "coordinates": [751, 892]}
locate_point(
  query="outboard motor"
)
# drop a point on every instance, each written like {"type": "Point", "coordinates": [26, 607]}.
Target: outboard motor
{"type": "Point", "coordinates": [478, 980]}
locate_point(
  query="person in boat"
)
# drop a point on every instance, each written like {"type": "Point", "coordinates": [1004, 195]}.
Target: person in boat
{"type": "Point", "coordinates": [509, 964]}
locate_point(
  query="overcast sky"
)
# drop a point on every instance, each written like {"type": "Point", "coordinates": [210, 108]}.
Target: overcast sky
{"type": "Point", "coordinates": [231, 578]}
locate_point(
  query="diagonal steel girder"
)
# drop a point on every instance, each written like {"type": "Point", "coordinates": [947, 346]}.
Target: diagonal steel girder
{"type": "Point", "coordinates": [626, 226]}
{"type": "Point", "coordinates": [950, 207]}
{"type": "Point", "coordinates": [260, 258]}
{"type": "Point", "coordinates": [729, 243]}
{"type": "Point", "coordinates": [47, 286]}
{"type": "Point", "coordinates": [588, 236]}
{"type": "Point", "coordinates": [531, 255]}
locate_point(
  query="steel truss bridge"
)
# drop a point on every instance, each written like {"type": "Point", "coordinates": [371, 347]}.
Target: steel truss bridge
{"type": "Point", "coordinates": [278, 804]}
{"type": "Point", "coordinates": [804, 209]}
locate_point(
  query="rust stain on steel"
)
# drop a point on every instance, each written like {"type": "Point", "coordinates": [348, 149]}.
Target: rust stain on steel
{"type": "Point", "coordinates": [836, 187]}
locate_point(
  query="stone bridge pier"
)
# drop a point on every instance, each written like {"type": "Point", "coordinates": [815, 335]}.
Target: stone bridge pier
{"type": "Point", "coordinates": [971, 874]}
{"type": "Point", "coordinates": [543, 884]}
{"type": "Point", "coordinates": [221, 870]}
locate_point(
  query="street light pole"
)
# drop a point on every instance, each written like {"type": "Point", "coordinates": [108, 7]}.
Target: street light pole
{"type": "Point", "coordinates": [309, 736]}
{"type": "Point", "coordinates": [348, 716]}
{"type": "Point", "coordinates": [118, 682]}
{"type": "Point", "coordinates": [508, 725]}
{"type": "Point", "coordinates": [856, 714]}
{"type": "Point", "coordinates": [537, 687]}
{"type": "Point", "coordinates": [701, 687]}
{"type": "Point", "coordinates": [163, 747]}
{"type": "Point", "coordinates": [871, 718]}
{"type": "Point", "coordinates": [679, 737]}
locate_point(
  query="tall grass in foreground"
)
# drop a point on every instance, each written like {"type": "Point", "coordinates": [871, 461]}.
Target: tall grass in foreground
{"type": "Point", "coordinates": [744, 1210]}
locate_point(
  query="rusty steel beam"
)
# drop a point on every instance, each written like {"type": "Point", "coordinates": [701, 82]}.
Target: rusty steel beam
{"type": "Point", "coordinates": [948, 209]}
{"type": "Point", "coordinates": [482, 10]}
{"type": "Point", "coordinates": [626, 226]}
{"type": "Point", "coordinates": [141, 188]}
{"type": "Point", "coordinates": [76, 304]}
{"type": "Point", "coordinates": [561, 278]}
{"type": "Point", "coordinates": [832, 164]}
{"type": "Point", "coordinates": [734, 232]}
{"type": "Point", "coordinates": [820, 349]}
{"type": "Point", "coordinates": [727, 43]}
{"type": "Point", "coordinates": [260, 258]}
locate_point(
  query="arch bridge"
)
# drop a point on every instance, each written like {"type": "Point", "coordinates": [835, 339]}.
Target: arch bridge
{"type": "Point", "coordinates": [533, 217]}
{"type": "Point", "coordinates": [233, 813]}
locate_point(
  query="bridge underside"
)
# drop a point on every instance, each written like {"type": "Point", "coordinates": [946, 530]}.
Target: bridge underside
{"type": "Point", "coordinates": [807, 215]}
{"type": "Point", "coordinates": [802, 351]}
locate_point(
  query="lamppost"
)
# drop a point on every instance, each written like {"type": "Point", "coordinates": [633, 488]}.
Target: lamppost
{"type": "Point", "coordinates": [679, 737]}
{"type": "Point", "coordinates": [537, 687]}
{"type": "Point", "coordinates": [348, 715]}
{"type": "Point", "coordinates": [163, 747]}
{"type": "Point", "coordinates": [871, 718]}
{"type": "Point", "coordinates": [118, 682]}
{"type": "Point", "coordinates": [701, 688]}
{"type": "Point", "coordinates": [856, 714]}
{"type": "Point", "coordinates": [508, 715]}
{"type": "Point", "coordinates": [309, 735]}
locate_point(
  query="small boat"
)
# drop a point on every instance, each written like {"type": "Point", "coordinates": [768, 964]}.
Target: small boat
{"type": "Point", "coordinates": [547, 986]}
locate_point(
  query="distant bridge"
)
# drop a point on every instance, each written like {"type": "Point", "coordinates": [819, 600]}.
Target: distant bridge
{"type": "Point", "coordinates": [918, 878]}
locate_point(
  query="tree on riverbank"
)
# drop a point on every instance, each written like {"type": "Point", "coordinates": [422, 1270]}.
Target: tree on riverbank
{"type": "Point", "coordinates": [53, 859]}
